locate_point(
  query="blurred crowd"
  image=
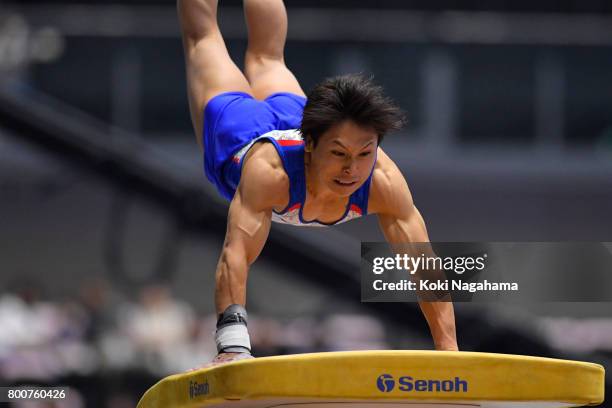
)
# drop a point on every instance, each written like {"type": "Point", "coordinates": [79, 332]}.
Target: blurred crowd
{"type": "Point", "coordinates": [102, 330]}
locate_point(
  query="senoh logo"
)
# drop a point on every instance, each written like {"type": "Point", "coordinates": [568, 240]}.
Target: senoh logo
{"type": "Point", "coordinates": [386, 383]}
{"type": "Point", "coordinates": [197, 389]}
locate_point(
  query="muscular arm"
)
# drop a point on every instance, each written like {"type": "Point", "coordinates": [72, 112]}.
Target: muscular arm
{"type": "Point", "coordinates": [247, 230]}
{"type": "Point", "coordinates": [401, 223]}
{"type": "Point", "coordinates": [263, 184]}
{"type": "Point", "coordinates": [248, 226]}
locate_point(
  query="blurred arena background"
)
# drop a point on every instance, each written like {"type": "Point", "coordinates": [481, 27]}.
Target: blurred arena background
{"type": "Point", "coordinates": [109, 231]}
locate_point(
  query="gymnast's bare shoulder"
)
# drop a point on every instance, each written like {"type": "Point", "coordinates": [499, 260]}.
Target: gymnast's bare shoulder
{"type": "Point", "coordinates": [389, 191]}
{"type": "Point", "coordinates": [264, 176]}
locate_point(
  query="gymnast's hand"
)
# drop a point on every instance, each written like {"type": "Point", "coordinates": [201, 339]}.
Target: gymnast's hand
{"type": "Point", "coordinates": [451, 346]}
{"type": "Point", "coordinates": [223, 358]}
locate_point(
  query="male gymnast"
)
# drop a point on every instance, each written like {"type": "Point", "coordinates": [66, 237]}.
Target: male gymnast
{"type": "Point", "coordinates": [280, 156]}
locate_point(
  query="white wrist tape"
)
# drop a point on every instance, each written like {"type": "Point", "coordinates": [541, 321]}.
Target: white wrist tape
{"type": "Point", "coordinates": [233, 335]}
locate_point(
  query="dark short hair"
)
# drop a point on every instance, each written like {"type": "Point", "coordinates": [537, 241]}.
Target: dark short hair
{"type": "Point", "coordinates": [349, 97]}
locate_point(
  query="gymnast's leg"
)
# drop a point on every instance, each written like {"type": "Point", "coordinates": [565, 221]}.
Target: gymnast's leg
{"type": "Point", "coordinates": [210, 70]}
{"type": "Point", "coordinates": [265, 66]}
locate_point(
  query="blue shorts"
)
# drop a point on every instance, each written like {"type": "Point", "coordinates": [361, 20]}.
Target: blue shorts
{"type": "Point", "coordinates": [233, 119]}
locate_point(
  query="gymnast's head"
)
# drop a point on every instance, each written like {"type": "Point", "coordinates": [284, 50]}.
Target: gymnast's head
{"type": "Point", "coordinates": [345, 119]}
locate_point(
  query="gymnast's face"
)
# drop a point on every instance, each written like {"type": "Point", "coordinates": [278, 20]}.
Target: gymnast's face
{"type": "Point", "coordinates": [343, 157]}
